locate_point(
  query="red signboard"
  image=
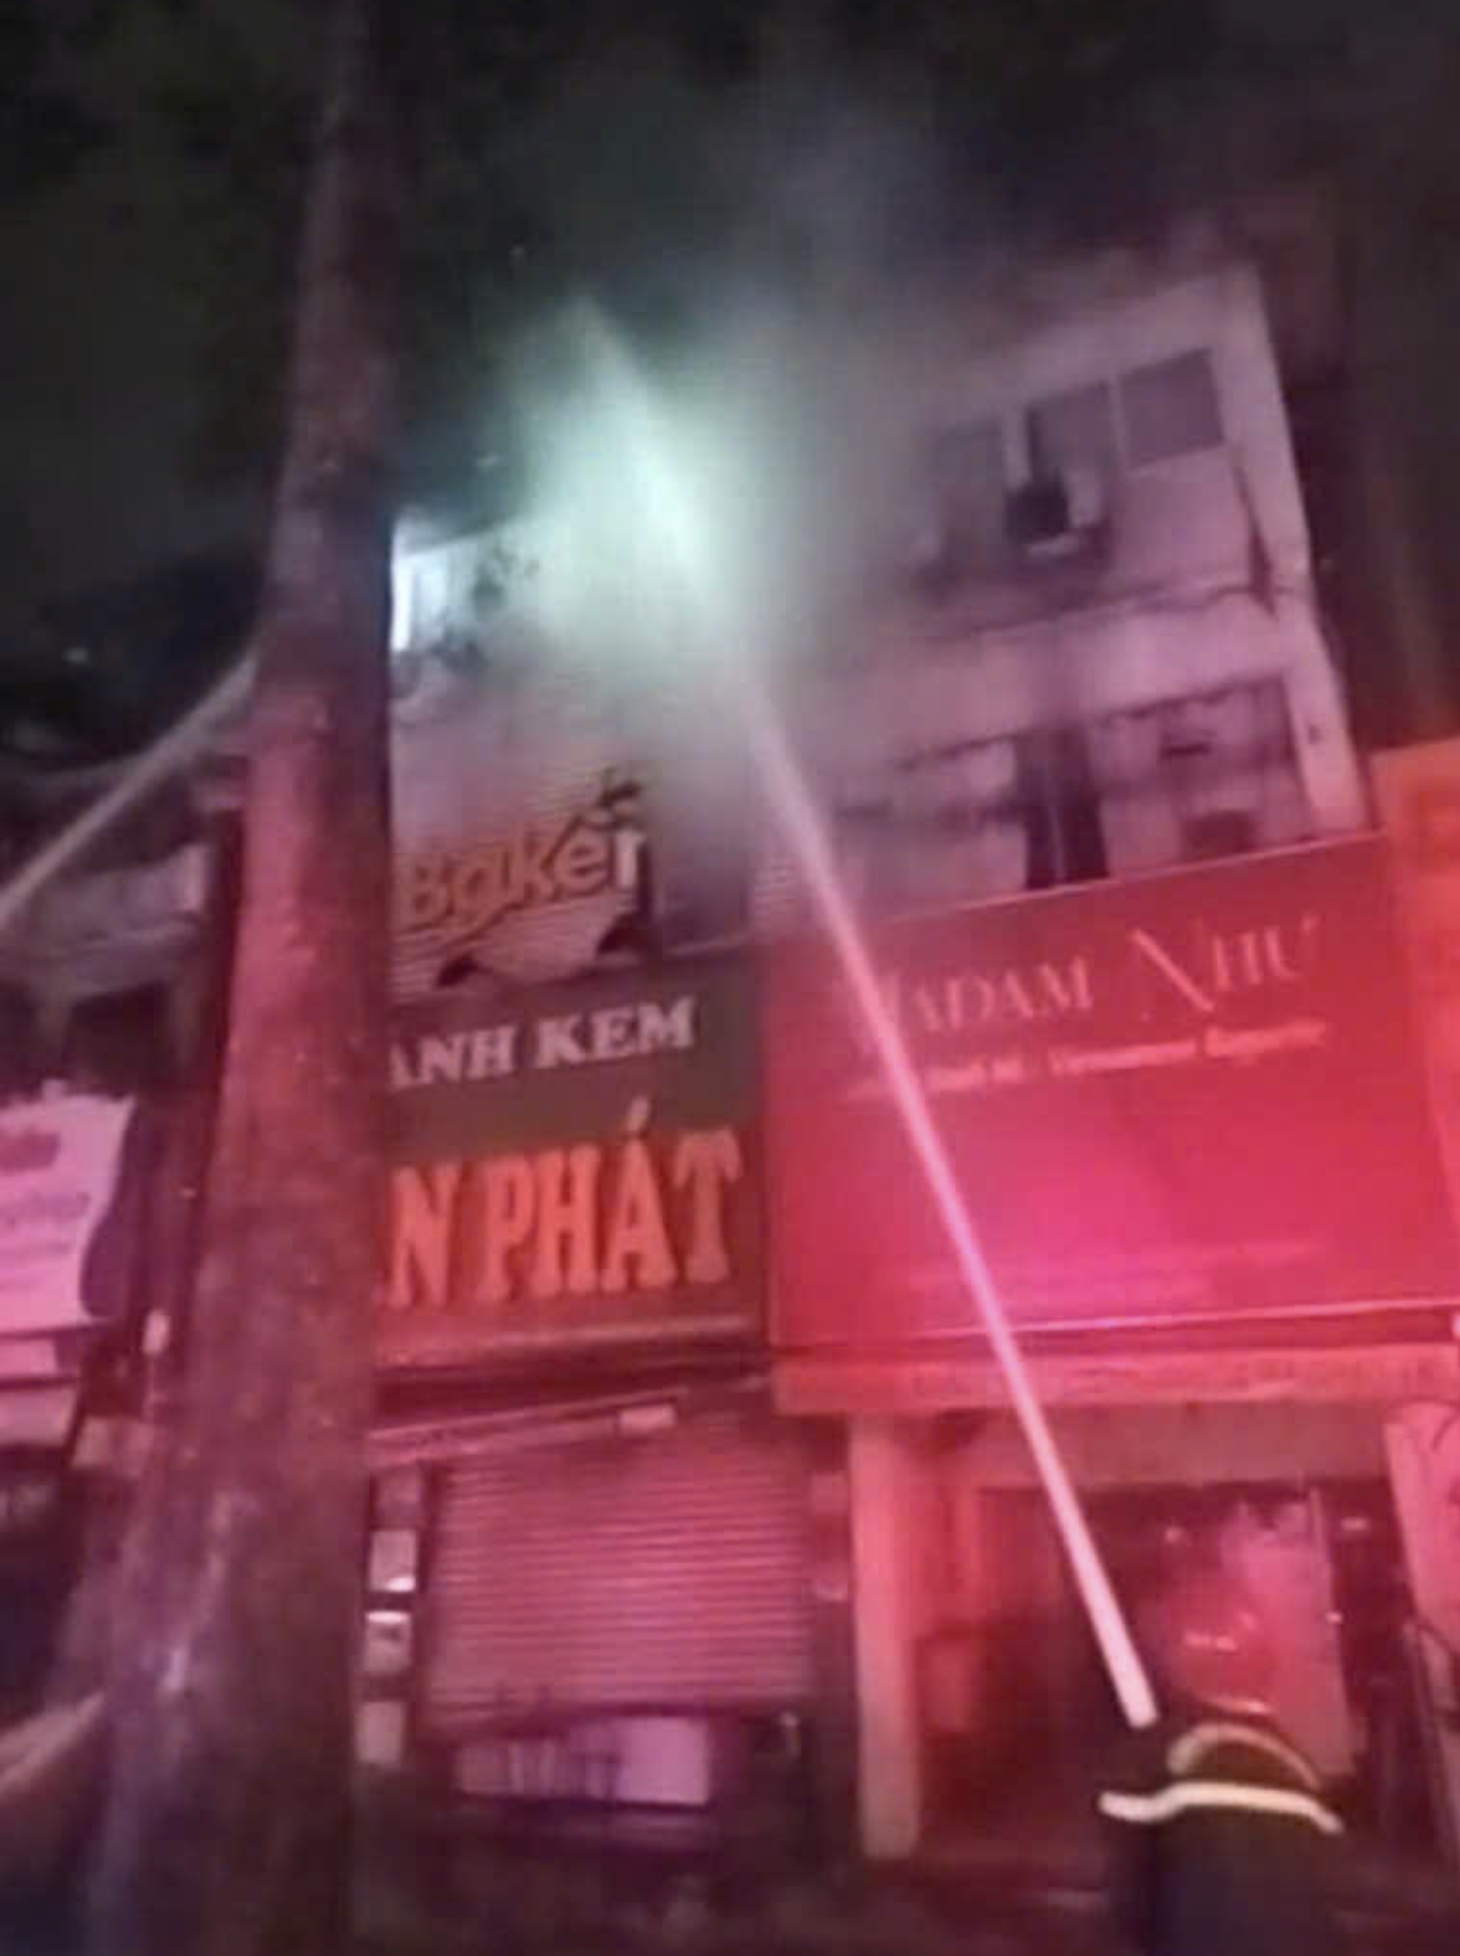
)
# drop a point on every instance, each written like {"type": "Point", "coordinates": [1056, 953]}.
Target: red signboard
{"type": "Point", "coordinates": [1193, 1094]}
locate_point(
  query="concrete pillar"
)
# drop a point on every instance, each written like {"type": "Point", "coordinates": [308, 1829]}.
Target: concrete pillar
{"type": "Point", "coordinates": [885, 1515]}
{"type": "Point", "coordinates": [1423, 1443]}
{"type": "Point", "coordinates": [833, 1762]}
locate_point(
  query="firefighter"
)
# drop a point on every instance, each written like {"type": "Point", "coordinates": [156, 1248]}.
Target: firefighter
{"type": "Point", "coordinates": [1220, 1838]}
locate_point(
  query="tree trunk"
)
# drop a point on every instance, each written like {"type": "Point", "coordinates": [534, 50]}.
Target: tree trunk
{"type": "Point", "coordinates": [231, 1690]}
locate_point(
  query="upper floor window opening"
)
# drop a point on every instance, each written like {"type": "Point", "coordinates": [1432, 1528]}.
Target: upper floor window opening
{"type": "Point", "coordinates": [1170, 408]}
{"type": "Point", "coordinates": [1072, 433]}
{"type": "Point", "coordinates": [1176, 780]}
{"type": "Point", "coordinates": [1040, 481]}
{"type": "Point", "coordinates": [1153, 413]}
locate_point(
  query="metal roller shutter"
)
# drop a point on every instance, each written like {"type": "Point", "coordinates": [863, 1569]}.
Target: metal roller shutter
{"type": "Point", "coordinates": [669, 1572]}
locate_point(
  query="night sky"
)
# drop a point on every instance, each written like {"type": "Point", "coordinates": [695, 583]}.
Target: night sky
{"type": "Point", "coordinates": [95, 383]}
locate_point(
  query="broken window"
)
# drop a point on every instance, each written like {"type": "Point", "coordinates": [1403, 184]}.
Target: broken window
{"type": "Point", "coordinates": [1207, 775]}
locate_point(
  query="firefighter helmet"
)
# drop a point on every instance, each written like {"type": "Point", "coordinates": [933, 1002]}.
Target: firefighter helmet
{"type": "Point", "coordinates": [1210, 1639]}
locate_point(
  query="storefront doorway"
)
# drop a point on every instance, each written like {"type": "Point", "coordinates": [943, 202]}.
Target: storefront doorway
{"type": "Point", "coordinates": [622, 1623]}
{"type": "Point", "coordinates": [1017, 1715]}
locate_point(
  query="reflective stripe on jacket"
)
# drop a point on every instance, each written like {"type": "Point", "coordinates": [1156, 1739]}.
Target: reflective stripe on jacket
{"type": "Point", "coordinates": [1219, 1839]}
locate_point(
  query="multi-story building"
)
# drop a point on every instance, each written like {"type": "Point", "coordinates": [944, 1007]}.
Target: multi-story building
{"type": "Point", "coordinates": [1103, 664]}
{"type": "Point", "coordinates": [1094, 657]}
{"type": "Point", "coordinates": [590, 1577]}
{"type": "Point", "coordinates": [110, 996]}
{"type": "Point", "coordinates": [1190, 1127]}
{"type": "Point", "coordinates": [1099, 651]}
{"type": "Point", "coordinates": [696, 1493]}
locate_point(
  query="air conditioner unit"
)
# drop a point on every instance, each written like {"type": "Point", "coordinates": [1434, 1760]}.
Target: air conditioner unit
{"type": "Point", "coordinates": [1058, 517]}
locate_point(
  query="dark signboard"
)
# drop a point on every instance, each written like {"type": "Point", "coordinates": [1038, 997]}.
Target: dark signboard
{"type": "Point", "coordinates": [1188, 1095]}
{"type": "Point", "coordinates": [575, 1166]}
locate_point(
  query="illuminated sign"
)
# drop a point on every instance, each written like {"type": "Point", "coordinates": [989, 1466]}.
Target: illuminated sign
{"type": "Point", "coordinates": [582, 1170]}
{"type": "Point", "coordinates": [60, 1164]}
{"type": "Point", "coordinates": [1185, 1095]}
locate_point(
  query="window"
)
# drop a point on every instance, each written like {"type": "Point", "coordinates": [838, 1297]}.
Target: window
{"type": "Point", "coordinates": [1223, 832]}
{"type": "Point", "coordinates": [1073, 432]}
{"type": "Point", "coordinates": [936, 826]}
{"type": "Point", "coordinates": [1170, 408]}
{"type": "Point", "coordinates": [1179, 780]}
{"type": "Point", "coordinates": [961, 492]}
{"type": "Point", "coordinates": [1187, 779]}
{"type": "Point", "coordinates": [965, 468]}
{"type": "Point", "coordinates": [1063, 810]}
{"type": "Point", "coordinates": [973, 819]}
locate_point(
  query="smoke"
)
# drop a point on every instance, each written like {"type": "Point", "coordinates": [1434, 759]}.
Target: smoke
{"type": "Point", "coordinates": [713, 512]}
{"type": "Point", "coordinates": [715, 431]}
{"type": "Point", "coordinates": [785, 309]}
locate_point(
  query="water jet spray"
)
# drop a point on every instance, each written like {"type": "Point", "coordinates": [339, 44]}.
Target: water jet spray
{"type": "Point", "coordinates": [661, 477]}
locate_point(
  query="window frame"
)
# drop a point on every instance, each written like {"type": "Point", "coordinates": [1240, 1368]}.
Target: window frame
{"type": "Point", "coordinates": [1133, 466]}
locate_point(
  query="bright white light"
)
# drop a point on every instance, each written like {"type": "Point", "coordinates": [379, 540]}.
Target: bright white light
{"type": "Point", "coordinates": [401, 570]}
{"type": "Point", "coordinates": [703, 506]}
{"type": "Point", "coordinates": [694, 498]}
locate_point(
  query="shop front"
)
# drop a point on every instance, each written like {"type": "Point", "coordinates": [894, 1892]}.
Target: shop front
{"type": "Point", "coordinates": [1190, 1120]}
{"type": "Point", "coordinates": [591, 1589]}
{"type": "Point", "coordinates": [622, 1619]}
{"type": "Point", "coordinates": [80, 1261]}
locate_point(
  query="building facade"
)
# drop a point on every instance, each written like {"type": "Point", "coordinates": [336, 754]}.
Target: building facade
{"type": "Point", "coordinates": [697, 1506]}
{"type": "Point", "coordinates": [591, 1593]}
{"type": "Point", "coordinates": [1102, 664]}
{"type": "Point", "coordinates": [1206, 1175]}
{"type": "Point", "coordinates": [110, 999]}
{"type": "Point", "coordinates": [1098, 650]}
{"type": "Point", "coordinates": [1084, 761]}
